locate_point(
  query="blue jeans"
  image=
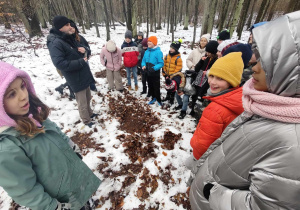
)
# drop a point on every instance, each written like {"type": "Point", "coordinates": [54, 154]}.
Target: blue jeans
{"type": "Point", "coordinates": [183, 102]}
{"type": "Point", "coordinates": [134, 71]}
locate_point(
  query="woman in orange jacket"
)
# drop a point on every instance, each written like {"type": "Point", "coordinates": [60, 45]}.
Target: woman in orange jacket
{"type": "Point", "coordinates": [225, 95]}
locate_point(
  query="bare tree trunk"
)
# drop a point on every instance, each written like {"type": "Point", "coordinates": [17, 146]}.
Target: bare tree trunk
{"type": "Point", "coordinates": [236, 16]}
{"type": "Point", "coordinates": [195, 21]}
{"type": "Point", "coordinates": [29, 17]}
{"type": "Point", "coordinates": [155, 12]}
{"type": "Point", "coordinates": [211, 17]}
{"type": "Point", "coordinates": [169, 11]}
{"type": "Point", "coordinates": [172, 16]}
{"type": "Point", "coordinates": [134, 18]}
{"type": "Point", "coordinates": [248, 24]}
{"type": "Point", "coordinates": [85, 15]}
{"type": "Point", "coordinates": [294, 5]}
{"type": "Point", "coordinates": [124, 12]}
{"type": "Point", "coordinates": [151, 16]}
{"type": "Point", "coordinates": [147, 8]}
{"type": "Point", "coordinates": [243, 16]}
{"type": "Point", "coordinates": [232, 12]}
{"type": "Point", "coordinates": [106, 21]}
{"type": "Point", "coordinates": [261, 11]}
{"type": "Point", "coordinates": [95, 17]}
{"type": "Point", "coordinates": [186, 16]}
{"type": "Point", "coordinates": [204, 28]}
{"type": "Point", "coordinates": [129, 15]}
{"type": "Point", "coordinates": [111, 14]}
{"type": "Point", "coordinates": [166, 17]}
{"type": "Point", "coordinates": [159, 15]}
{"type": "Point", "coordinates": [224, 6]}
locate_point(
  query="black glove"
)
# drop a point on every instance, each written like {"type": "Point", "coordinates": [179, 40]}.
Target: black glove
{"type": "Point", "coordinates": [206, 190]}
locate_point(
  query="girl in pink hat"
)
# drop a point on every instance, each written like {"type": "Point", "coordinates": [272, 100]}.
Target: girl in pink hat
{"type": "Point", "coordinates": [39, 168]}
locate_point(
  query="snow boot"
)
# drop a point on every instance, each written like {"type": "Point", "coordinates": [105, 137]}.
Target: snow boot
{"type": "Point", "coordinates": [71, 95]}
{"type": "Point", "coordinates": [178, 107]}
{"type": "Point", "coordinates": [160, 104]}
{"type": "Point", "coordinates": [136, 88]}
{"type": "Point", "coordinates": [60, 89]}
{"type": "Point", "coordinates": [129, 87]}
{"type": "Point", "coordinates": [182, 114]}
{"type": "Point", "coordinates": [167, 98]}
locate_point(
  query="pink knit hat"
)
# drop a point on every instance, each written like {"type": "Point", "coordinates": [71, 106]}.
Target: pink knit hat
{"type": "Point", "coordinates": [8, 74]}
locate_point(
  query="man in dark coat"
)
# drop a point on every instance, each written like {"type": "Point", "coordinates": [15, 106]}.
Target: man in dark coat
{"type": "Point", "coordinates": [68, 56]}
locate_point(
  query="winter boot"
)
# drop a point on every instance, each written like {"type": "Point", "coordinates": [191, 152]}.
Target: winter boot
{"type": "Point", "coordinates": [60, 89]}
{"type": "Point", "coordinates": [160, 104]}
{"type": "Point", "coordinates": [136, 88]}
{"type": "Point", "coordinates": [129, 87]}
{"type": "Point", "coordinates": [182, 114]}
{"type": "Point", "coordinates": [178, 107]}
{"type": "Point", "coordinates": [144, 90]}
{"type": "Point", "coordinates": [71, 95]}
{"type": "Point", "coordinates": [167, 98]}
{"type": "Point", "coordinates": [172, 96]}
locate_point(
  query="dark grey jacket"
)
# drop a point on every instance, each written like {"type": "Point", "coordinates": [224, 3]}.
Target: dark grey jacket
{"type": "Point", "coordinates": [65, 57]}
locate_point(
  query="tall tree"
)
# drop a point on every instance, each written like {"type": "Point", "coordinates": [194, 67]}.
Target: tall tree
{"type": "Point", "coordinates": [243, 16]}
{"type": "Point", "coordinates": [294, 5]}
{"type": "Point", "coordinates": [134, 18]}
{"type": "Point", "coordinates": [195, 21]}
{"type": "Point", "coordinates": [159, 15]}
{"type": "Point", "coordinates": [222, 14]}
{"type": "Point", "coordinates": [236, 16]}
{"type": "Point", "coordinates": [129, 15]}
{"type": "Point", "coordinates": [111, 14]}
{"type": "Point", "coordinates": [248, 24]}
{"type": "Point", "coordinates": [261, 11]}
{"type": "Point", "coordinates": [186, 15]}
{"type": "Point", "coordinates": [94, 3]}
{"type": "Point", "coordinates": [124, 12]}
{"type": "Point", "coordinates": [211, 16]}
{"type": "Point", "coordinates": [272, 10]}
{"type": "Point", "coordinates": [29, 17]}
{"type": "Point", "coordinates": [106, 21]}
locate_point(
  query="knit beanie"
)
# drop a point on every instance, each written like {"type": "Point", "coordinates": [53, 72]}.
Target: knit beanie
{"type": "Point", "coordinates": [145, 42]}
{"type": "Point", "coordinates": [226, 44]}
{"type": "Point", "coordinates": [128, 34]}
{"type": "Point", "coordinates": [206, 36]}
{"type": "Point", "coordinates": [8, 74]}
{"type": "Point", "coordinates": [211, 47]}
{"type": "Point", "coordinates": [171, 85]}
{"type": "Point", "coordinates": [60, 21]}
{"type": "Point", "coordinates": [153, 39]}
{"type": "Point", "coordinates": [229, 68]}
{"type": "Point", "coordinates": [176, 45]}
{"type": "Point", "coordinates": [223, 35]}
{"type": "Point", "coordinates": [245, 49]}
{"type": "Point", "coordinates": [140, 34]}
{"type": "Point", "coordinates": [111, 46]}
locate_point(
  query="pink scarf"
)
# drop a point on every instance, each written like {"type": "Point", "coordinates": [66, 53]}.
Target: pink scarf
{"type": "Point", "coordinates": [268, 105]}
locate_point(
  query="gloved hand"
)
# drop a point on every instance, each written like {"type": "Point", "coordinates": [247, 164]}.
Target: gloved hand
{"type": "Point", "coordinates": [63, 206]}
{"type": "Point", "coordinates": [206, 190]}
{"type": "Point", "coordinates": [190, 162]}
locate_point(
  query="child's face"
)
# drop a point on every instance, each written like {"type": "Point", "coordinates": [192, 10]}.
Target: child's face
{"type": "Point", "coordinates": [140, 37]}
{"type": "Point", "coordinates": [127, 40]}
{"type": "Point", "coordinates": [209, 54]}
{"type": "Point", "coordinates": [172, 50]}
{"type": "Point", "coordinates": [16, 99]}
{"type": "Point", "coordinates": [259, 78]}
{"type": "Point", "coordinates": [150, 44]}
{"type": "Point", "coordinates": [217, 84]}
{"type": "Point", "coordinates": [203, 42]}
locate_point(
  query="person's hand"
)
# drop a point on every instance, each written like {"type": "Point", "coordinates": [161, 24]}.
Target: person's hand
{"type": "Point", "coordinates": [180, 93]}
{"type": "Point", "coordinates": [81, 49]}
{"type": "Point", "coordinates": [85, 59]}
{"type": "Point", "coordinates": [203, 58]}
{"type": "Point", "coordinates": [144, 67]}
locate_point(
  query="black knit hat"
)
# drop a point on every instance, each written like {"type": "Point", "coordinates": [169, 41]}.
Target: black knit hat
{"type": "Point", "coordinates": [176, 44]}
{"type": "Point", "coordinates": [60, 21]}
{"type": "Point", "coordinates": [73, 24]}
{"type": "Point", "coordinates": [212, 47]}
{"type": "Point", "coordinates": [223, 35]}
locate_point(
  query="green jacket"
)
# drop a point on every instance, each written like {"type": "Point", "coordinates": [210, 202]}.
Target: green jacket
{"type": "Point", "coordinates": [41, 170]}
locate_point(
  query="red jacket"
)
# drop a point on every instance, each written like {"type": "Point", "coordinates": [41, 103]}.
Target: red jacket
{"type": "Point", "coordinates": [130, 52]}
{"type": "Point", "coordinates": [215, 118]}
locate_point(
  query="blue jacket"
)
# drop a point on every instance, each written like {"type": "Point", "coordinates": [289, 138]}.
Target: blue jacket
{"type": "Point", "coordinates": [153, 56]}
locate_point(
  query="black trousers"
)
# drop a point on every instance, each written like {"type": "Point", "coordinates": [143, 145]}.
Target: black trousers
{"type": "Point", "coordinates": [200, 91]}
{"type": "Point", "coordinates": [144, 80]}
{"type": "Point", "coordinates": [154, 87]}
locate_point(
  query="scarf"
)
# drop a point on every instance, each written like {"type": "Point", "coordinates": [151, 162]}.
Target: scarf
{"type": "Point", "coordinates": [271, 106]}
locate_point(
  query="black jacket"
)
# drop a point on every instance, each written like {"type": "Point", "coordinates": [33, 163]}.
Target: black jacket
{"type": "Point", "coordinates": [65, 57]}
{"type": "Point", "coordinates": [205, 64]}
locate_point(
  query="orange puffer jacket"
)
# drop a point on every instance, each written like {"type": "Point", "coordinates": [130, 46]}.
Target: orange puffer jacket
{"type": "Point", "coordinates": [172, 64]}
{"type": "Point", "coordinates": [215, 118]}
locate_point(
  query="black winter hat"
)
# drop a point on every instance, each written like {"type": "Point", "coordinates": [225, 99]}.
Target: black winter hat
{"type": "Point", "coordinates": [128, 34]}
{"type": "Point", "coordinates": [212, 47]}
{"type": "Point", "coordinates": [60, 21]}
{"type": "Point", "coordinates": [73, 24]}
{"type": "Point", "coordinates": [176, 44]}
{"type": "Point", "coordinates": [223, 35]}
{"type": "Point", "coordinates": [245, 49]}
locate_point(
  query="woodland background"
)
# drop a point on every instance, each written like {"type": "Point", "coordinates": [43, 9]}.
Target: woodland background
{"type": "Point", "coordinates": [208, 14]}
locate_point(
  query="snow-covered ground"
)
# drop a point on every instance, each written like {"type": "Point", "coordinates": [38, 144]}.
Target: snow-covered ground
{"type": "Point", "coordinates": [64, 112]}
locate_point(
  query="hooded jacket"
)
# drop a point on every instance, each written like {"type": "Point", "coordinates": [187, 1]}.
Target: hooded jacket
{"type": "Point", "coordinates": [111, 60]}
{"type": "Point", "coordinates": [39, 171]}
{"type": "Point", "coordinates": [172, 64]}
{"type": "Point", "coordinates": [65, 57]}
{"type": "Point", "coordinates": [255, 162]}
{"type": "Point", "coordinates": [153, 58]}
{"type": "Point", "coordinates": [215, 118]}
